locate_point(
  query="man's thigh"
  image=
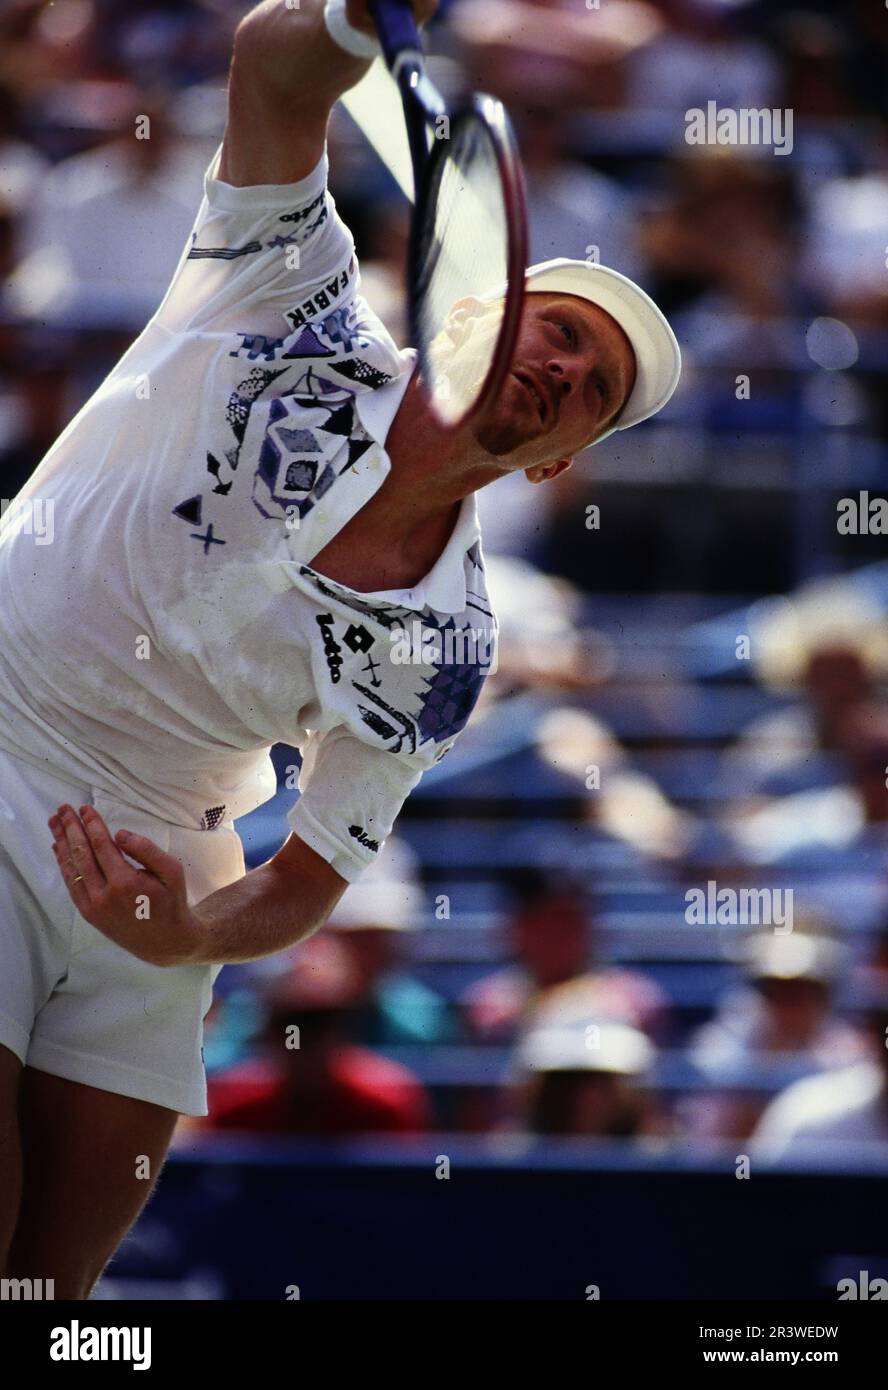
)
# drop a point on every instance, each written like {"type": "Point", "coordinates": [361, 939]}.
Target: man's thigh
{"type": "Point", "coordinates": [91, 1158]}
{"type": "Point", "coordinates": [10, 1148]}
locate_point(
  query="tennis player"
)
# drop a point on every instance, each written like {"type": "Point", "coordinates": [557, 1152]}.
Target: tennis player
{"type": "Point", "coordinates": [248, 516]}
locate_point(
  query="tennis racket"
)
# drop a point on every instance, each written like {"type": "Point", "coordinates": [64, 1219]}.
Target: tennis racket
{"type": "Point", "coordinates": [468, 237]}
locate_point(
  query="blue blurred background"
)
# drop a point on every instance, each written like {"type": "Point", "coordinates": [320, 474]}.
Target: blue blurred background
{"type": "Point", "coordinates": [515, 1064]}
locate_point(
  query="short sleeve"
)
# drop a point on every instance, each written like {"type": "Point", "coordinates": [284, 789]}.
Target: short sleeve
{"type": "Point", "coordinates": [279, 250]}
{"type": "Point", "coordinates": [351, 794]}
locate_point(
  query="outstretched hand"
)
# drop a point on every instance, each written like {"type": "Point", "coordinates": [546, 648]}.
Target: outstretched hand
{"type": "Point", "coordinates": [145, 910]}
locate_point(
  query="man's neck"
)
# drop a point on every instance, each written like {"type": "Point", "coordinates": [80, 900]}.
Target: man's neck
{"type": "Point", "coordinates": [400, 533]}
{"type": "Point", "coordinates": [432, 469]}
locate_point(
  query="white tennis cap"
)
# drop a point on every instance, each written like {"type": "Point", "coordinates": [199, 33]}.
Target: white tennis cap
{"type": "Point", "coordinates": [657, 354]}
{"type": "Point", "coordinates": [607, 1046]}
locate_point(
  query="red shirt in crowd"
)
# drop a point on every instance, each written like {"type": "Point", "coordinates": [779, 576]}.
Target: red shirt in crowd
{"type": "Point", "coordinates": [363, 1093]}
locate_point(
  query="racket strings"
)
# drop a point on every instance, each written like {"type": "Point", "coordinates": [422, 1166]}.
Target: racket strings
{"type": "Point", "coordinates": [463, 256]}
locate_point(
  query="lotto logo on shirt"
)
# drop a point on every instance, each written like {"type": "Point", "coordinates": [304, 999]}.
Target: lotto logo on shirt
{"type": "Point", "coordinates": [332, 649]}
{"type": "Point", "coordinates": [358, 833]}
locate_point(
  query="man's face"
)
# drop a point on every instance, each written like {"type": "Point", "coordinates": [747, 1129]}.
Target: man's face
{"type": "Point", "coordinates": [572, 373]}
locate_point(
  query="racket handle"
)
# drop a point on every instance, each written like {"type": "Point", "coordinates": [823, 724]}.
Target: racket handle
{"type": "Point", "coordinates": [396, 28]}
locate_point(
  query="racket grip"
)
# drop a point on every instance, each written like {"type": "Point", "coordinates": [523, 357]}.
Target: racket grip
{"type": "Point", "coordinates": [396, 28]}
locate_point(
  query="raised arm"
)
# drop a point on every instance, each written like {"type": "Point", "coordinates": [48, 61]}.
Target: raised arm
{"type": "Point", "coordinates": [286, 76]}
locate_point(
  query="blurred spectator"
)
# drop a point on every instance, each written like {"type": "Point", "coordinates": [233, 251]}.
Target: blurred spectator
{"type": "Point", "coordinates": [540, 644]}
{"type": "Point", "coordinates": [7, 236]}
{"type": "Point", "coordinates": [550, 940]}
{"type": "Point", "coordinates": [782, 1021]}
{"type": "Point", "coordinates": [43, 44]}
{"type": "Point", "coordinates": [572, 210]}
{"type": "Point", "coordinates": [849, 1105]}
{"type": "Point", "coordinates": [814, 51]}
{"type": "Point", "coordinates": [569, 58]}
{"type": "Point", "coordinates": [785, 1008]}
{"type": "Point", "coordinates": [829, 644]}
{"type": "Point", "coordinates": [845, 247]}
{"type": "Point", "coordinates": [22, 167]}
{"type": "Point", "coordinates": [156, 40]}
{"type": "Point", "coordinates": [108, 227]}
{"type": "Point", "coordinates": [232, 1026]}
{"type": "Point", "coordinates": [35, 398]}
{"type": "Point", "coordinates": [879, 959]}
{"type": "Point", "coordinates": [585, 1078]}
{"type": "Point", "coordinates": [722, 250]}
{"type": "Point", "coordinates": [373, 920]}
{"type": "Point", "coordinates": [845, 818]}
{"type": "Point", "coordinates": [864, 738]}
{"type": "Point", "coordinates": [701, 56]}
{"type": "Point", "coordinates": [621, 803]}
{"type": "Point", "coordinates": [308, 1079]}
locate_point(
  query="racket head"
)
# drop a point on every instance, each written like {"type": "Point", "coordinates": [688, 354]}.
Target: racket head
{"type": "Point", "coordinates": [467, 261]}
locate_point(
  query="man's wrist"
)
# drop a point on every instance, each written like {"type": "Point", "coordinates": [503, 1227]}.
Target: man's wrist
{"type": "Point", "coordinates": [356, 42]}
{"type": "Point", "coordinates": [199, 935]}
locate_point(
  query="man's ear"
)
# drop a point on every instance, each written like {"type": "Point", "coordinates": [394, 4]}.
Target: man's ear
{"type": "Point", "coordinates": [461, 313]}
{"type": "Point", "coordinates": [543, 472]}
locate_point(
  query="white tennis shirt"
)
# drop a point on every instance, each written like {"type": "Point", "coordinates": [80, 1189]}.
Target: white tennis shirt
{"type": "Point", "coordinates": [167, 627]}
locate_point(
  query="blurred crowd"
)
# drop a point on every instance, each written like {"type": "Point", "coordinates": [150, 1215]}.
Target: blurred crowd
{"type": "Point", "coordinates": [627, 749]}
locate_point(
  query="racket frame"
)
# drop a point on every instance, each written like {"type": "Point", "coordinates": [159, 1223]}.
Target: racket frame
{"type": "Point", "coordinates": [489, 113]}
{"type": "Point", "coordinates": [423, 105]}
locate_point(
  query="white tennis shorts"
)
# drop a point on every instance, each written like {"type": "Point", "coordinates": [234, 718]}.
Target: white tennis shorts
{"type": "Point", "coordinates": [74, 1004]}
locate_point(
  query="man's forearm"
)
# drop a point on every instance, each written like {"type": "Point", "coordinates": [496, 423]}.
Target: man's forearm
{"type": "Point", "coordinates": [272, 907]}
{"type": "Point", "coordinates": [286, 76]}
